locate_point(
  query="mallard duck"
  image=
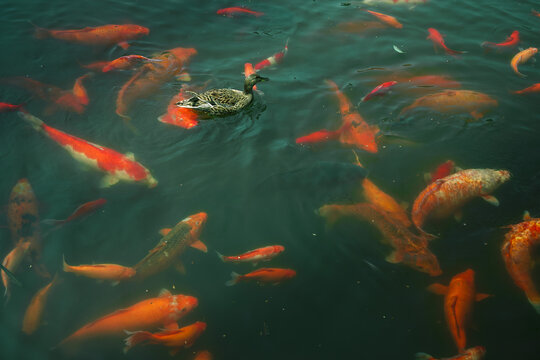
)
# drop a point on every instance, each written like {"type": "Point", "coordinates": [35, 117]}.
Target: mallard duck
{"type": "Point", "coordinates": [222, 102]}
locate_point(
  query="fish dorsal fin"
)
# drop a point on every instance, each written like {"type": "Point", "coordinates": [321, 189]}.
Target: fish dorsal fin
{"type": "Point", "coordinates": [199, 245]}
{"type": "Point", "coordinates": [526, 215]}
{"type": "Point", "coordinates": [164, 231]}
{"type": "Point", "coordinates": [164, 293]}
{"type": "Point", "coordinates": [438, 289]}
{"type": "Point", "coordinates": [130, 156]}
{"type": "Point", "coordinates": [481, 296]}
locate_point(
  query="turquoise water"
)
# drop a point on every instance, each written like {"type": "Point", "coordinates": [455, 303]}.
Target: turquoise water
{"type": "Point", "coordinates": [260, 188]}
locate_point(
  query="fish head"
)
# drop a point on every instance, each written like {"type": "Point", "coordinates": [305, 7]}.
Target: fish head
{"type": "Point", "coordinates": [138, 30]}
{"type": "Point", "coordinates": [181, 305]}
{"type": "Point", "coordinates": [182, 54]}
{"type": "Point", "coordinates": [467, 275]}
{"type": "Point", "coordinates": [196, 222]}
{"type": "Point", "coordinates": [493, 179]}
{"type": "Point", "coordinates": [279, 248]}
{"type": "Point", "coordinates": [424, 261]}
{"type": "Point", "coordinates": [290, 274]}
{"type": "Point", "coordinates": [23, 188]}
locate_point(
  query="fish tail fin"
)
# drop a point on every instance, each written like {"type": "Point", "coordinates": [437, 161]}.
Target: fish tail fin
{"type": "Point", "coordinates": [488, 45]}
{"type": "Point", "coordinates": [220, 256]}
{"type": "Point", "coordinates": [134, 338]}
{"type": "Point", "coordinates": [65, 265]}
{"type": "Point", "coordinates": [454, 52]}
{"type": "Point", "coordinates": [423, 356]}
{"type": "Point", "coordinates": [235, 278]}
{"type": "Point", "coordinates": [52, 222]}
{"type": "Point", "coordinates": [35, 122]}
{"type": "Point", "coordinates": [40, 33]}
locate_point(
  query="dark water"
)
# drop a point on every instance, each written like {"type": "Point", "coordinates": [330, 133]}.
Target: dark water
{"type": "Point", "coordinates": [259, 188]}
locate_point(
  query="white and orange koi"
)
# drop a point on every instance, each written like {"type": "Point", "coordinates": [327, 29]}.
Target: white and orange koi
{"type": "Point", "coordinates": [274, 59]}
{"type": "Point", "coordinates": [254, 256]}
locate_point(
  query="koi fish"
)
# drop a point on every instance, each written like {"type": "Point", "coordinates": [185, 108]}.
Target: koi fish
{"type": "Point", "coordinates": [117, 167]}
{"type": "Point", "coordinates": [96, 66]}
{"type": "Point", "coordinates": [174, 339]}
{"type": "Point", "coordinates": [387, 19]}
{"type": "Point", "coordinates": [535, 13]}
{"type": "Point", "coordinates": [438, 40]}
{"type": "Point", "coordinates": [179, 116]}
{"type": "Point", "coordinates": [510, 41]}
{"type": "Point", "coordinates": [447, 196]}
{"type": "Point", "coordinates": [516, 252]}
{"type": "Point", "coordinates": [272, 276]}
{"type": "Point", "coordinates": [173, 244]}
{"type": "Point", "coordinates": [395, 2]}
{"type": "Point", "coordinates": [105, 35]}
{"type": "Point", "coordinates": [110, 272]}
{"type": "Point", "coordinates": [266, 253]}
{"type": "Point", "coordinates": [428, 81]}
{"type": "Point", "coordinates": [22, 211]}
{"type": "Point", "coordinates": [6, 107]}
{"type": "Point", "coordinates": [531, 89]}
{"type": "Point", "coordinates": [126, 62]}
{"type": "Point", "coordinates": [521, 58]}
{"type": "Point", "coordinates": [380, 90]}
{"type": "Point", "coordinates": [385, 202]}
{"type": "Point", "coordinates": [10, 275]}
{"type": "Point", "coordinates": [82, 210]}
{"type": "Point", "coordinates": [203, 355]}
{"type": "Point", "coordinates": [459, 297]}
{"type": "Point", "coordinates": [353, 131]}
{"type": "Point", "coordinates": [236, 11]}
{"type": "Point", "coordinates": [274, 59]}
{"type": "Point", "coordinates": [34, 311]}
{"type": "Point", "coordinates": [12, 261]}
{"type": "Point", "coordinates": [455, 102]}
{"type": "Point", "coordinates": [151, 76]}
{"type": "Point", "coordinates": [408, 248]}
{"type": "Point", "coordinates": [248, 70]}
{"type": "Point", "coordinates": [442, 171]}
{"type": "Point", "coordinates": [475, 353]}
{"type": "Point", "coordinates": [164, 310]}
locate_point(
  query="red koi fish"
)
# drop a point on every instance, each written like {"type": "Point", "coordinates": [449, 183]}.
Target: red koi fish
{"type": "Point", "coordinates": [264, 275]}
{"type": "Point", "coordinates": [274, 59]}
{"type": "Point", "coordinates": [5, 107]}
{"type": "Point", "coordinates": [380, 90]}
{"type": "Point", "coordinates": [164, 310]}
{"type": "Point", "coordinates": [442, 171]}
{"type": "Point", "coordinates": [353, 131]}
{"type": "Point", "coordinates": [105, 35]}
{"type": "Point", "coordinates": [179, 116]}
{"type": "Point", "coordinates": [510, 42]}
{"type": "Point", "coordinates": [126, 62]}
{"type": "Point", "coordinates": [174, 339]}
{"type": "Point", "coordinates": [266, 253]}
{"type": "Point", "coordinates": [118, 167]}
{"type": "Point", "coordinates": [236, 11]}
{"type": "Point", "coordinates": [531, 89]}
{"type": "Point", "coordinates": [459, 298]}
{"type": "Point", "coordinates": [517, 250]}
{"type": "Point", "coordinates": [438, 40]}
{"type": "Point", "coordinates": [84, 209]}
{"type": "Point", "coordinates": [475, 353]}
{"type": "Point", "coordinates": [446, 196]}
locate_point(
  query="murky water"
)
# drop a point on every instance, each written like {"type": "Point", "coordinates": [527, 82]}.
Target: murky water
{"type": "Point", "coordinates": [260, 188]}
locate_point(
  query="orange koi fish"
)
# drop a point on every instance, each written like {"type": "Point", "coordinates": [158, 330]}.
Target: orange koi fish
{"type": "Point", "coordinates": [96, 66]}
{"type": "Point", "coordinates": [272, 60]}
{"type": "Point", "coordinates": [34, 311]}
{"type": "Point", "coordinates": [516, 252]}
{"type": "Point", "coordinates": [82, 210]}
{"type": "Point", "coordinates": [510, 42]}
{"type": "Point", "coordinates": [22, 211]}
{"type": "Point", "coordinates": [353, 131]}
{"type": "Point", "coordinates": [272, 276]}
{"type": "Point", "coordinates": [426, 82]}
{"type": "Point", "coordinates": [455, 102]}
{"type": "Point", "coordinates": [173, 244]}
{"type": "Point", "coordinates": [408, 248]}
{"type": "Point", "coordinates": [105, 35]}
{"type": "Point", "coordinates": [475, 353]}
{"type": "Point", "coordinates": [446, 196]}
{"type": "Point", "coordinates": [438, 40]}
{"type": "Point", "coordinates": [380, 90]}
{"type": "Point", "coordinates": [126, 62]}
{"type": "Point", "coordinates": [442, 171]}
{"type": "Point", "coordinates": [521, 58]}
{"type": "Point", "coordinates": [12, 261]}
{"type": "Point", "coordinates": [151, 76]}
{"type": "Point", "coordinates": [459, 298]}
{"type": "Point", "coordinates": [179, 116]}
{"type": "Point", "coordinates": [529, 90]}
{"type": "Point", "coordinates": [203, 355]}
{"type": "Point", "coordinates": [164, 310]}
{"type": "Point", "coordinates": [385, 202]}
{"type": "Point", "coordinates": [387, 19]}
{"type": "Point", "coordinates": [110, 272]}
{"type": "Point", "coordinates": [235, 11]}
{"type": "Point", "coordinates": [6, 107]}
{"type": "Point", "coordinates": [118, 167]}
{"type": "Point", "coordinates": [174, 339]}
{"type": "Point", "coordinates": [266, 253]}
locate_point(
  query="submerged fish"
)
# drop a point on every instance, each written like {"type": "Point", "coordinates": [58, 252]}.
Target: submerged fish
{"type": "Point", "coordinates": [459, 298]}
{"type": "Point", "coordinates": [521, 58]}
{"type": "Point", "coordinates": [263, 276]}
{"type": "Point", "coordinates": [442, 171]}
{"type": "Point", "coordinates": [6, 107]}
{"type": "Point", "coordinates": [387, 19]}
{"type": "Point", "coordinates": [437, 38]}
{"type": "Point", "coordinates": [385, 202]}
{"type": "Point", "coordinates": [34, 311]}
{"type": "Point", "coordinates": [203, 355]}
{"type": "Point", "coordinates": [126, 62]}
{"type": "Point", "coordinates": [272, 60]}
{"type": "Point", "coordinates": [118, 167]}
{"type": "Point", "coordinates": [517, 254]}
{"type": "Point", "coordinates": [380, 90]}
{"type": "Point", "coordinates": [83, 210]}
{"type": "Point", "coordinates": [174, 339]}
{"type": "Point", "coordinates": [254, 256]}
{"type": "Point", "coordinates": [510, 42]}
{"type": "Point", "coordinates": [12, 261]}
{"type": "Point", "coordinates": [235, 11]}
{"type": "Point", "coordinates": [475, 353]}
{"type": "Point", "coordinates": [529, 90]}
{"type": "Point", "coordinates": [173, 244]}
{"type": "Point", "coordinates": [447, 196]}
{"type": "Point", "coordinates": [22, 211]}
{"type": "Point", "coordinates": [110, 272]}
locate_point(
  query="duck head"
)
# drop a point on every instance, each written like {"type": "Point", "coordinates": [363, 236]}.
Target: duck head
{"type": "Point", "coordinates": [252, 80]}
